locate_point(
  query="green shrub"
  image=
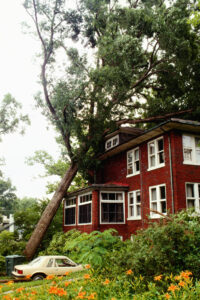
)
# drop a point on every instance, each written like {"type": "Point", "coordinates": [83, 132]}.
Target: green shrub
{"type": "Point", "coordinates": [9, 245]}
{"type": "Point", "coordinates": [2, 264]}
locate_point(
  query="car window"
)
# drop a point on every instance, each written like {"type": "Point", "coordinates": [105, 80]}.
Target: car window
{"type": "Point", "coordinates": [36, 261]}
{"type": "Point", "coordinates": [50, 263]}
{"type": "Point", "coordinates": [61, 262]}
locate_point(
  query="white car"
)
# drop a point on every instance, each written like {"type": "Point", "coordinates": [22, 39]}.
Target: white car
{"type": "Point", "coordinates": [43, 266]}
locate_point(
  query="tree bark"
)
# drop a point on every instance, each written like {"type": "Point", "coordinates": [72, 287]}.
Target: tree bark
{"type": "Point", "coordinates": [49, 212]}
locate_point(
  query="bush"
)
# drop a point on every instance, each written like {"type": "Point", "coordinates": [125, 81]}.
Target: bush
{"type": "Point", "coordinates": [2, 264]}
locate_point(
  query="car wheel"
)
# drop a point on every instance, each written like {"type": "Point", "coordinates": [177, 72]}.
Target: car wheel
{"type": "Point", "coordinates": [38, 277]}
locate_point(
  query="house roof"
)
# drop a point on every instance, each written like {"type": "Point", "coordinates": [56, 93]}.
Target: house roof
{"type": "Point", "coordinates": [128, 130]}
{"type": "Point", "coordinates": [109, 186]}
{"type": "Point", "coordinates": [173, 123]}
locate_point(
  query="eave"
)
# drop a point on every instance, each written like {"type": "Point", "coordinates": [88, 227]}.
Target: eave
{"type": "Point", "coordinates": [172, 124]}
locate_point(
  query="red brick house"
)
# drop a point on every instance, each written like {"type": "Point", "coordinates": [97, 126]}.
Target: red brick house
{"type": "Point", "coordinates": [157, 169]}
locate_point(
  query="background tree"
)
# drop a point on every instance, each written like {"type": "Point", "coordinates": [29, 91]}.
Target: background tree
{"type": "Point", "coordinates": [8, 197]}
{"type": "Point", "coordinates": [140, 60]}
{"type": "Point", "coordinates": [10, 117]}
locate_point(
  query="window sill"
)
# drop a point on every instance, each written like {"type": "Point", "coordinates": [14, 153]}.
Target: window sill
{"type": "Point", "coordinates": [134, 219]}
{"type": "Point", "coordinates": [131, 175]}
{"type": "Point", "coordinates": [82, 224]}
{"type": "Point", "coordinates": [107, 223]}
{"type": "Point", "coordinates": [157, 216]}
{"type": "Point", "coordinates": [70, 224]}
{"type": "Point", "coordinates": [190, 163]}
{"type": "Point", "coordinates": [157, 167]}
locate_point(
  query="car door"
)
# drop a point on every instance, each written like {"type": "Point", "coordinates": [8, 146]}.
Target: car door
{"type": "Point", "coordinates": [63, 265]}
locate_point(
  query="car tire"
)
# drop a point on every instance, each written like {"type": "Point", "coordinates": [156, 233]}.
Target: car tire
{"type": "Point", "coordinates": [38, 277]}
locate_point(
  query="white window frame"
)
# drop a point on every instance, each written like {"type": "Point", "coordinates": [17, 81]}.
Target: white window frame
{"type": "Point", "coordinates": [190, 147]}
{"type": "Point", "coordinates": [132, 163]}
{"type": "Point", "coordinates": [134, 205]}
{"type": "Point", "coordinates": [111, 140]}
{"type": "Point", "coordinates": [67, 207]}
{"type": "Point", "coordinates": [156, 154]}
{"type": "Point", "coordinates": [196, 197]}
{"type": "Point", "coordinates": [158, 201]}
{"type": "Point", "coordinates": [112, 201]}
{"type": "Point", "coordinates": [84, 203]}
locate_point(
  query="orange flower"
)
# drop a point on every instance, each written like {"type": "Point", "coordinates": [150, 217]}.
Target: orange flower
{"type": "Point", "coordinates": [6, 297]}
{"type": "Point", "coordinates": [61, 292]}
{"type": "Point", "coordinates": [67, 273]}
{"type": "Point", "coordinates": [81, 295]}
{"type": "Point", "coordinates": [92, 296]}
{"type": "Point", "coordinates": [167, 296]}
{"type": "Point", "coordinates": [177, 277]}
{"type": "Point", "coordinates": [107, 281]}
{"type": "Point", "coordinates": [19, 289]}
{"type": "Point", "coordinates": [34, 292]}
{"type": "Point", "coordinates": [67, 283]}
{"type": "Point", "coordinates": [158, 278]}
{"type": "Point", "coordinates": [186, 274]}
{"type": "Point", "coordinates": [129, 272]}
{"type": "Point", "coordinates": [87, 266]}
{"type": "Point", "coordinates": [10, 282]}
{"type": "Point", "coordinates": [50, 277]}
{"type": "Point", "coordinates": [182, 283]}
{"type": "Point", "coordinates": [86, 276]}
{"type": "Point", "coordinates": [53, 290]}
{"type": "Point", "coordinates": [172, 288]}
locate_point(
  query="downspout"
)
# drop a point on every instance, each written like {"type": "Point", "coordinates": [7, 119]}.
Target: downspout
{"type": "Point", "coordinates": [141, 185]}
{"type": "Point", "coordinates": [171, 172]}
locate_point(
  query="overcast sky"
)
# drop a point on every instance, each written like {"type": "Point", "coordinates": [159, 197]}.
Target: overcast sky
{"type": "Point", "coordinates": [19, 70]}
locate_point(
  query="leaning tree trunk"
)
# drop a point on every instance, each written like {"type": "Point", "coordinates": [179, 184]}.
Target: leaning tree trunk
{"type": "Point", "coordinates": [49, 212]}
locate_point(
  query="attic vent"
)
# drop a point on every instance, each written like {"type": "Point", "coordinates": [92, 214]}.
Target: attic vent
{"type": "Point", "coordinates": [114, 141]}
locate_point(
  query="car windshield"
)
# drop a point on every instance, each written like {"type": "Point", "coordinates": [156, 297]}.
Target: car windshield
{"type": "Point", "coordinates": [35, 261]}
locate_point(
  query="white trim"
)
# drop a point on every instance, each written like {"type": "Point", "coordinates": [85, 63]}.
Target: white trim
{"type": "Point", "coordinates": [158, 201]}
{"type": "Point", "coordinates": [111, 141]}
{"type": "Point", "coordinates": [134, 172]}
{"type": "Point", "coordinates": [134, 205]}
{"type": "Point", "coordinates": [67, 207]}
{"type": "Point", "coordinates": [195, 198]}
{"type": "Point", "coordinates": [84, 203]}
{"type": "Point", "coordinates": [155, 154]}
{"type": "Point", "coordinates": [112, 201]}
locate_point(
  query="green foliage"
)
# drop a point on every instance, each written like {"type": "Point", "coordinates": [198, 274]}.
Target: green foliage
{"type": "Point", "coordinates": [9, 244]}
{"type": "Point", "coordinates": [8, 198]}
{"type": "Point", "coordinates": [2, 264]}
{"type": "Point", "coordinates": [10, 118]}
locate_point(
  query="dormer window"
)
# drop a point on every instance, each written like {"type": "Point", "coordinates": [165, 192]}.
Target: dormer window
{"type": "Point", "coordinates": [114, 141]}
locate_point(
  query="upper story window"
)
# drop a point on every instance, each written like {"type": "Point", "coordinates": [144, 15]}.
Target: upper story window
{"type": "Point", "coordinates": [85, 209]}
{"type": "Point", "coordinates": [70, 211]}
{"type": "Point", "coordinates": [193, 196]}
{"type": "Point", "coordinates": [191, 149]}
{"type": "Point", "coordinates": [134, 205]}
{"type": "Point", "coordinates": [114, 141]}
{"type": "Point", "coordinates": [112, 207]}
{"type": "Point", "coordinates": [156, 153]}
{"type": "Point", "coordinates": [133, 162]}
{"type": "Point", "coordinates": [157, 200]}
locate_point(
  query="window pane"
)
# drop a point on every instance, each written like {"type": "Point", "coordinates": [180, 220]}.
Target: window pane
{"type": "Point", "coordinates": [112, 212]}
{"type": "Point", "coordinates": [151, 148]}
{"type": "Point", "coordinates": [111, 196]}
{"type": "Point", "coordinates": [138, 197]}
{"type": "Point", "coordinates": [154, 206]}
{"type": "Point", "coordinates": [161, 157]}
{"type": "Point", "coordinates": [190, 190]}
{"type": "Point", "coordinates": [187, 141]}
{"type": "Point", "coordinates": [160, 145]}
{"type": "Point", "coordinates": [131, 198]}
{"type": "Point", "coordinates": [70, 215]}
{"type": "Point", "coordinates": [152, 161]}
{"type": "Point", "coordinates": [131, 211]}
{"type": "Point", "coordinates": [138, 210]}
{"type": "Point", "coordinates": [187, 154]}
{"type": "Point", "coordinates": [199, 189]}
{"type": "Point", "coordinates": [137, 166]}
{"type": "Point", "coordinates": [115, 141]}
{"type": "Point", "coordinates": [153, 194]}
{"type": "Point", "coordinates": [197, 142]}
{"type": "Point", "coordinates": [104, 196]}
{"type": "Point", "coordinates": [198, 156]}
{"type": "Point", "coordinates": [162, 192]}
{"type": "Point", "coordinates": [163, 206]}
{"type": "Point", "coordinates": [119, 196]}
{"type": "Point", "coordinates": [190, 203]}
{"type": "Point", "coordinates": [130, 169]}
{"type": "Point", "coordinates": [85, 213]}
{"type": "Point", "coordinates": [137, 154]}
{"type": "Point", "coordinates": [130, 159]}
